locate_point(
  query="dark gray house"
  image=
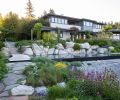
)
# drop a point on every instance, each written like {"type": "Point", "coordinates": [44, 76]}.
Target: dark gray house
{"type": "Point", "coordinates": [64, 23]}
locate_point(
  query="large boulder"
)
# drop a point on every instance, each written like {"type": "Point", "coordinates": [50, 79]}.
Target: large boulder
{"type": "Point", "coordinates": [85, 46]}
{"type": "Point", "coordinates": [42, 91]}
{"type": "Point", "coordinates": [28, 51]}
{"type": "Point", "coordinates": [37, 50]}
{"type": "Point", "coordinates": [56, 52]}
{"type": "Point", "coordinates": [19, 57]}
{"type": "Point", "coordinates": [22, 90]}
{"type": "Point", "coordinates": [69, 44]}
{"type": "Point", "coordinates": [82, 51]}
{"type": "Point", "coordinates": [5, 51]}
{"type": "Point", "coordinates": [59, 46]}
{"type": "Point", "coordinates": [94, 47]}
{"type": "Point", "coordinates": [51, 51]}
{"type": "Point", "coordinates": [102, 50]}
{"type": "Point", "coordinates": [62, 52]}
{"type": "Point", "coordinates": [69, 50]}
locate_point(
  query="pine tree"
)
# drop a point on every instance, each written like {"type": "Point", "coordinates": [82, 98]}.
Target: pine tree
{"type": "Point", "coordinates": [51, 11]}
{"type": "Point", "coordinates": [30, 9]}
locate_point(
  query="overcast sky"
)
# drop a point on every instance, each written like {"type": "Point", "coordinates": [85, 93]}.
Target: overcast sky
{"type": "Point", "coordinates": [100, 10]}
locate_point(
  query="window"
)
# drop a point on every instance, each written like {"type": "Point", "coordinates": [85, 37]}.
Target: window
{"type": "Point", "coordinates": [59, 20]}
{"type": "Point", "coordinates": [65, 21]}
{"type": "Point", "coordinates": [52, 19]}
{"type": "Point", "coordinates": [56, 20]}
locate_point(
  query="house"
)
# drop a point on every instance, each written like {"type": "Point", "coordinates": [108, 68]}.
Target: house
{"type": "Point", "coordinates": [63, 24]}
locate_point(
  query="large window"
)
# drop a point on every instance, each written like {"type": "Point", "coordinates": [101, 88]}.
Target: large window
{"type": "Point", "coordinates": [56, 20]}
{"type": "Point", "coordinates": [87, 23]}
{"type": "Point", "coordinates": [52, 19]}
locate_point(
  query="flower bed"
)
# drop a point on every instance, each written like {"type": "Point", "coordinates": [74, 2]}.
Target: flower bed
{"type": "Point", "coordinates": [78, 85]}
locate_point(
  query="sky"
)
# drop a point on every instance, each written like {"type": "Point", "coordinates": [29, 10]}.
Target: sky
{"type": "Point", "coordinates": [99, 10]}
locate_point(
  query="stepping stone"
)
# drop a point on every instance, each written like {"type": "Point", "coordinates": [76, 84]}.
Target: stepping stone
{"type": "Point", "coordinates": [12, 78]}
{"type": "Point", "coordinates": [11, 86]}
{"type": "Point", "coordinates": [4, 94]}
{"type": "Point", "coordinates": [1, 87]}
{"type": "Point", "coordinates": [19, 57]}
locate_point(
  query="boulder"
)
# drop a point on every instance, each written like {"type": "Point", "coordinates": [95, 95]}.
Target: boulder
{"type": "Point", "coordinates": [37, 50]}
{"type": "Point", "coordinates": [62, 84]}
{"type": "Point", "coordinates": [19, 57]}
{"type": "Point", "coordinates": [5, 51]}
{"type": "Point", "coordinates": [111, 48]}
{"type": "Point", "coordinates": [42, 91]}
{"type": "Point", "coordinates": [69, 50]}
{"type": "Point", "coordinates": [25, 47]}
{"type": "Point", "coordinates": [51, 51]}
{"type": "Point", "coordinates": [102, 50]}
{"type": "Point", "coordinates": [62, 52]}
{"type": "Point", "coordinates": [22, 90]}
{"type": "Point", "coordinates": [85, 46]}
{"type": "Point", "coordinates": [94, 47]}
{"type": "Point", "coordinates": [59, 46]}
{"type": "Point", "coordinates": [82, 51]}
{"type": "Point", "coordinates": [56, 52]}
{"type": "Point", "coordinates": [69, 44]}
{"type": "Point", "coordinates": [89, 51]}
{"type": "Point", "coordinates": [28, 51]}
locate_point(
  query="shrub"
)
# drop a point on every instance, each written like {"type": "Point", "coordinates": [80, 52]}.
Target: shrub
{"type": "Point", "coordinates": [1, 44]}
{"type": "Point", "coordinates": [3, 69]}
{"type": "Point", "coordinates": [75, 63]}
{"type": "Point", "coordinates": [48, 36]}
{"type": "Point", "coordinates": [57, 92]}
{"type": "Point", "coordinates": [76, 47]}
{"type": "Point", "coordinates": [44, 73]}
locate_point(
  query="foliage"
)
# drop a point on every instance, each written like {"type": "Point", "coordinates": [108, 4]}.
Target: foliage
{"type": "Point", "coordinates": [23, 43]}
{"type": "Point", "coordinates": [44, 73]}
{"type": "Point", "coordinates": [10, 21]}
{"type": "Point", "coordinates": [57, 92]}
{"type": "Point", "coordinates": [37, 29]}
{"type": "Point", "coordinates": [63, 42]}
{"type": "Point", "coordinates": [107, 27]}
{"type": "Point", "coordinates": [88, 34]}
{"type": "Point", "coordinates": [75, 63]}
{"type": "Point", "coordinates": [1, 44]}
{"type": "Point", "coordinates": [3, 69]}
{"type": "Point", "coordinates": [48, 37]}
{"type": "Point", "coordinates": [60, 65]}
{"type": "Point", "coordinates": [76, 46]}
{"type": "Point", "coordinates": [93, 86]}
{"type": "Point", "coordinates": [30, 10]}
{"type": "Point", "coordinates": [51, 11]}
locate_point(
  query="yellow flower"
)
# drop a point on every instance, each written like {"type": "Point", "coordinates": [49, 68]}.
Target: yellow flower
{"type": "Point", "coordinates": [60, 65]}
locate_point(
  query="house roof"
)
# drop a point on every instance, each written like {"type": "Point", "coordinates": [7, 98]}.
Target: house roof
{"type": "Point", "coordinates": [72, 18]}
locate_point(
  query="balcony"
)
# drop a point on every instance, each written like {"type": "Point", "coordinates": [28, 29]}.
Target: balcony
{"type": "Point", "coordinates": [64, 26]}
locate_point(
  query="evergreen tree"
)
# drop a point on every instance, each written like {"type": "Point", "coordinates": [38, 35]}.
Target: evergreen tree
{"type": "Point", "coordinates": [51, 11]}
{"type": "Point", "coordinates": [30, 9]}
